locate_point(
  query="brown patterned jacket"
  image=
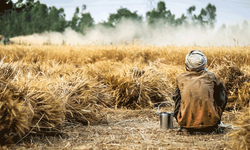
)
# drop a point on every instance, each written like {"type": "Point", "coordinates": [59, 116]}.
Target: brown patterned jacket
{"type": "Point", "coordinates": [200, 99]}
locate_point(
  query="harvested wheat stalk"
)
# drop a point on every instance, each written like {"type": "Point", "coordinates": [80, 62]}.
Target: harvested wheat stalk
{"type": "Point", "coordinates": [236, 82]}
{"type": "Point", "coordinates": [241, 137]}
{"type": "Point", "coordinates": [138, 89]}
{"type": "Point", "coordinates": [13, 114]}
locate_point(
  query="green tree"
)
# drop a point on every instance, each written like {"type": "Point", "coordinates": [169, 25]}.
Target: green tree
{"type": "Point", "coordinates": [23, 18]}
{"type": "Point", "coordinates": [75, 20]}
{"type": "Point", "coordinates": [19, 5]}
{"type": "Point", "coordinates": [207, 16]}
{"type": "Point", "coordinates": [181, 20]}
{"type": "Point", "coordinates": [86, 21]}
{"type": "Point", "coordinates": [165, 16]}
{"type": "Point", "coordinates": [56, 19]}
{"type": "Point", "coordinates": [122, 13]}
{"type": "Point", "coordinates": [40, 15]}
{"type": "Point", "coordinates": [160, 13]}
{"type": "Point", "coordinates": [81, 21]}
{"type": "Point", "coordinates": [26, 20]}
{"type": "Point", "coordinates": [5, 5]}
{"type": "Point", "coordinates": [211, 14]}
{"type": "Point", "coordinates": [192, 17]}
{"type": "Point", "coordinates": [30, 17]}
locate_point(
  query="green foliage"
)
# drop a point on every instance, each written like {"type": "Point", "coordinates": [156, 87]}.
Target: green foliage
{"type": "Point", "coordinates": [5, 5]}
{"type": "Point", "coordinates": [25, 18]}
{"type": "Point", "coordinates": [122, 13]}
{"type": "Point", "coordinates": [56, 19]}
{"type": "Point", "coordinates": [161, 14]}
{"type": "Point", "coordinates": [82, 23]}
{"type": "Point", "coordinates": [86, 21]}
{"type": "Point", "coordinates": [30, 17]}
{"type": "Point", "coordinates": [207, 16]}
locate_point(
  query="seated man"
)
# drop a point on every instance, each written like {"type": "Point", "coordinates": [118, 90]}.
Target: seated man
{"type": "Point", "coordinates": [200, 97]}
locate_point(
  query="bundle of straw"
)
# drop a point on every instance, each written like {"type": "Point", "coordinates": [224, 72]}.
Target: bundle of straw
{"type": "Point", "coordinates": [83, 100]}
{"type": "Point", "coordinates": [48, 111]}
{"type": "Point", "coordinates": [241, 137]}
{"type": "Point", "coordinates": [138, 88]}
{"type": "Point", "coordinates": [8, 70]}
{"type": "Point", "coordinates": [13, 113]}
{"type": "Point", "coordinates": [235, 81]}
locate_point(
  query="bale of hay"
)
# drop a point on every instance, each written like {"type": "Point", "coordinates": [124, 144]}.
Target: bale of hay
{"type": "Point", "coordinates": [48, 110]}
{"type": "Point", "coordinates": [14, 113]}
{"type": "Point", "coordinates": [236, 82]}
{"type": "Point", "coordinates": [8, 70]}
{"type": "Point", "coordinates": [138, 88]}
{"type": "Point", "coordinates": [83, 100]}
{"type": "Point", "coordinates": [241, 137]}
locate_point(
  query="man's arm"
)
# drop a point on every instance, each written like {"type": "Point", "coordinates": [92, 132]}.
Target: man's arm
{"type": "Point", "coordinates": [220, 95]}
{"type": "Point", "coordinates": [177, 99]}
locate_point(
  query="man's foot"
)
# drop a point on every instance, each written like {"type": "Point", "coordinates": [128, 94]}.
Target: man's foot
{"type": "Point", "coordinates": [183, 130]}
{"type": "Point", "coordinates": [180, 130]}
{"type": "Point", "coordinates": [223, 125]}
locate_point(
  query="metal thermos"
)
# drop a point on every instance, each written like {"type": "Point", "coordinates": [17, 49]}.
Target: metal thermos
{"type": "Point", "coordinates": [166, 120]}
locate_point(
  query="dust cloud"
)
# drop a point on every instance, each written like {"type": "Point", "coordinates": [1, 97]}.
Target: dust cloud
{"type": "Point", "coordinates": [128, 31]}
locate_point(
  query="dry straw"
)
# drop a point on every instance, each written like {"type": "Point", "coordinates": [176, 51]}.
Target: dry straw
{"type": "Point", "coordinates": [137, 88]}
{"type": "Point", "coordinates": [13, 113]}
{"type": "Point", "coordinates": [83, 100]}
{"type": "Point", "coordinates": [41, 87]}
{"type": "Point", "coordinates": [47, 107]}
{"type": "Point", "coordinates": [241, 137]}
{"type": "Point", "coordinates": [41, 100]}
{"type": "Point", "coordinates": [236, 82]}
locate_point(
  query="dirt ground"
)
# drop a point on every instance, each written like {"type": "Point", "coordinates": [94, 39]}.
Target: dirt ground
{"type": "Point", "coordinates": [128, 129]}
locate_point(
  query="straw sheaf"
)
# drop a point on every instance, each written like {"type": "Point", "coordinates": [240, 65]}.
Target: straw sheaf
{"type": "Point", "coordinates": [83, 100]}
{"type": "Point", "coordinates": [236, 82]}
{"type": "Point", "coordinates": [8, 70]}
{"type": "Point", "coordinates": [48, 111]}
{"type": "Point", "coordinates": [137, 88]}
{"type": "Point", "coordinates": [13, 113]}
{"type": "Point", "coordinates": [241, 137]}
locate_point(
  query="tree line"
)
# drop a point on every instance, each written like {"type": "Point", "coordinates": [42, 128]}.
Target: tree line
{"type": "Point", "coordinates": [25, 18]}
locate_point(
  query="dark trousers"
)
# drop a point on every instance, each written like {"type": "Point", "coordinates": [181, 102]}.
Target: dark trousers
{"type": "Point", "coordinates": [204, 130]}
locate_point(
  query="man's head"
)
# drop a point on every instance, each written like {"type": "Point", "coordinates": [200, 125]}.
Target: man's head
{"type": "Point", "coordinates": [195, 61]}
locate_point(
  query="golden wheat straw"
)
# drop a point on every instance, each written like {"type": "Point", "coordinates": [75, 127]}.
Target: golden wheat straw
{"type": "Point", "coordinates": [75, 83]}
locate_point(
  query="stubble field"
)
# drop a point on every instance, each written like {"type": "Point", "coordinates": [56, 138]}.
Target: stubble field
{"type": "Point", "coordinates": [106, 97]}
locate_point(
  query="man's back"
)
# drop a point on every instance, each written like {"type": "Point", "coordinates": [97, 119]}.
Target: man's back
{"type": "Point", "coordinates": [198, 108]}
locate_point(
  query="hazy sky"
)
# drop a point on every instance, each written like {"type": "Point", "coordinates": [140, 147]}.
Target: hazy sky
{"type": "Point", "coordinates": [228, 11]}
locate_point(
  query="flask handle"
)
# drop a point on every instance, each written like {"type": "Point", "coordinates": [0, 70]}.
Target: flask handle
{"type": "Point", "coordinates": [163, 103]}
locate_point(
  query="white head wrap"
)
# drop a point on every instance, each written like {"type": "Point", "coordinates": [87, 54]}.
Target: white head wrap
{"type": "Point", "coordinates": [196, 61]}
